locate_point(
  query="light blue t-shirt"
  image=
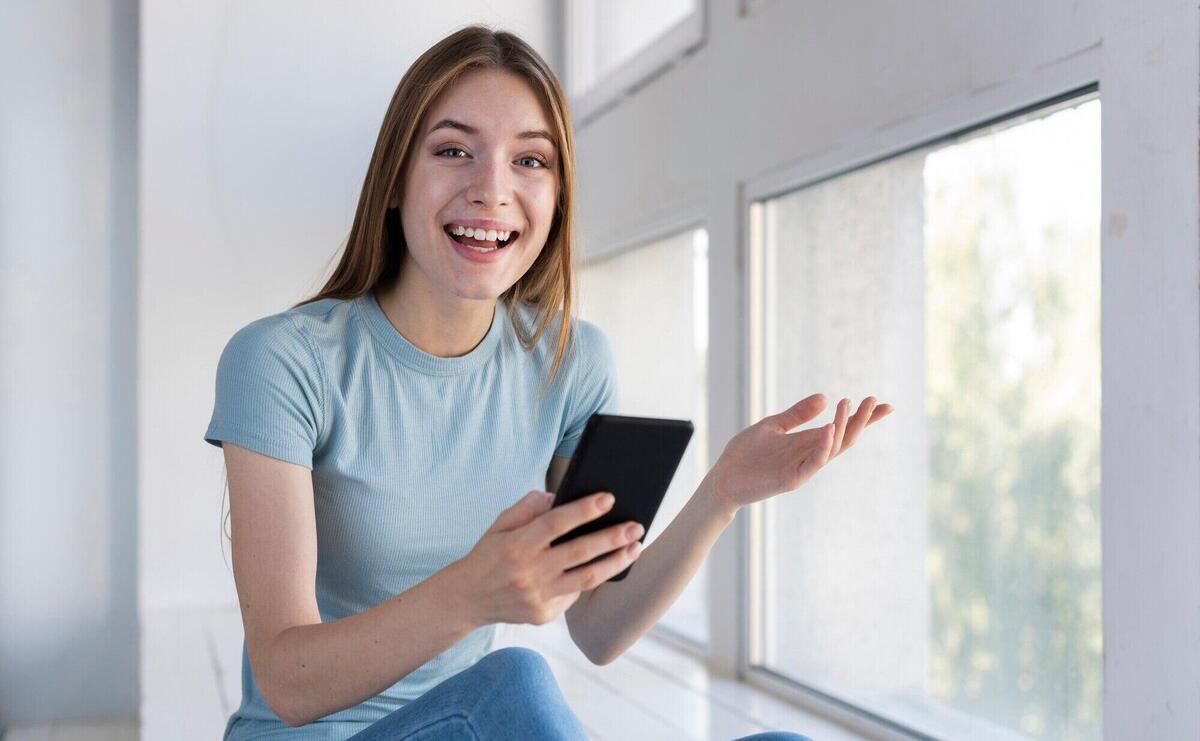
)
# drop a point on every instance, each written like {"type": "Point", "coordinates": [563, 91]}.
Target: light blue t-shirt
{"type": "Point", "coordinates": [413, 456]}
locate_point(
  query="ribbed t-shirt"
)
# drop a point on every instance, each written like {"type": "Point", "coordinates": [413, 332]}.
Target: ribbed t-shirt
{"type": "Point", "coordinates": [413, 456]}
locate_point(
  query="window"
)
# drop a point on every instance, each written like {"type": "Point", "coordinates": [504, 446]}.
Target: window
{"type": "Point", "coordinates": [945, 575]}
{"type": "Point", "coordinates": [652, 303]}
{"type": "Point", "coordinates": [612, 46]}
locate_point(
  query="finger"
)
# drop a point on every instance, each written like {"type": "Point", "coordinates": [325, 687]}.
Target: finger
{"type": "Point", "coordinates": [563, 519]}
{"type": "Point", "coordinates": [839, 426]}
{"type": "Point", "coordinates": [798, 413]}
{"type": "Point", "coordinates": [525, 510]}
{"type": "Point", "coordinates": [586, 547]}
{"type": "Point", "coordinates": [815, 451]}
{"type": "Point", "coordinates": [855, 427]}
{"type": "Point", "coordinates": [880, 412]}
{"type": "Point", "coordinates": [825, 451]}
{"type": "Point", "coordinates": [588, 577]}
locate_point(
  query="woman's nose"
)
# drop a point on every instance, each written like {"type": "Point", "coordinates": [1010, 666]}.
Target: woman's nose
{"type": "Point", "coordinates": [490, 185]}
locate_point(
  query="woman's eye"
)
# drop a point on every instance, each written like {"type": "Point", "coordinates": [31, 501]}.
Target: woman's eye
{"type": "Point", "coordinates": [459, 153]}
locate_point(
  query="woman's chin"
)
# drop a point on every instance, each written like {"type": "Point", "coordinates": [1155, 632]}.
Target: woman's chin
{"type": "Point", "coordinates": [478, 292]}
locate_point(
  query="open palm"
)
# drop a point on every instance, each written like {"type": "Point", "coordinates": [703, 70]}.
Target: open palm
{"type": "Point", "coordinates": [766, 459]}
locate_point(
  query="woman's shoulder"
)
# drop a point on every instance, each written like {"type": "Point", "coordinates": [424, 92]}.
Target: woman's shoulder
{"type": "Point", "coordinates": [588, 347]}
{"type": "Point", "coordinates": [581, 329]}
{"type": "Point", "coordinates": [299, 332]}
{"type": "Point", "coordinates": [319, 317]}
{"type": "Point", "coordinates": [326, 324]}
{"type": "Point", "coordinates": [590, 335]}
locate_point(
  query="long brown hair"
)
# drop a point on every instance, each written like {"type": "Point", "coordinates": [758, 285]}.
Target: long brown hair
{"type": "Point", "coordinates": [375, 248]}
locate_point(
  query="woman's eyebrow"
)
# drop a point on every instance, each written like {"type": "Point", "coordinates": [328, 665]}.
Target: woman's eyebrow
{"type": "Point", "coordinates": [449, 123]}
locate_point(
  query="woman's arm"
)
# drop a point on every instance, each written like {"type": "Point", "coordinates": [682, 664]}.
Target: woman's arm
{"type": "Point", "coordinates": [621, 611]}
{"type": "Point", "coordinates": [322, 668]}
{"type": "Point", "coordinates": [761, 461]}
{"type": "Point", "coordinates": [307, 669]}
{"type": "Point", "coordinates": [664, 569]}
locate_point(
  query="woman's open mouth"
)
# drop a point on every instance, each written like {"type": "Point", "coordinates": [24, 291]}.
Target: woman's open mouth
{"type": "Point", "coordinates": [481, 241]}
{"type": "Point", "coordinates": [480, 245]}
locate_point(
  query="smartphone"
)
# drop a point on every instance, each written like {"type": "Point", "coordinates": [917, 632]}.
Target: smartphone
{"type": "Point", "coordinates": [635, 458]}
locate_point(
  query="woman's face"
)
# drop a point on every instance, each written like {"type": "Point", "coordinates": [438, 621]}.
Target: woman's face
{"type": "Point", "coordinates": [484, 161]}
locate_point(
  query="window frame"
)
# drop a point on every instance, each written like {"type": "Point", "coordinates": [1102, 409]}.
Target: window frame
{"type": "Point", "coordinates": [672, 224]}
{"type": "Point", "coordinates": [609, 89]}
{"type": "Point", "coordinates": [754, 195]}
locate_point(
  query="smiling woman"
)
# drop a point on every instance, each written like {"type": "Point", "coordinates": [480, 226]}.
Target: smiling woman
{"type": "Point", "coordinates": [390, 425]}
{"type": "Point", "coordinates": [489, 165]}
{"type": "Point", "coordinates": [352, 426]}
{"type": "Point", "coordinates": [478, 135]}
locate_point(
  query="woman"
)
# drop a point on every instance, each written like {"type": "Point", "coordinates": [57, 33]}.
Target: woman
{"type": "Point", "coordinates": [377, 437]}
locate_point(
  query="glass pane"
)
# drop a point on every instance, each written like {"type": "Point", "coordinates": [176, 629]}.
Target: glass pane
{"type": "Point", "coordinates": [611, 32]}
{"type": "Point", "coordinates": [652, 302]}
{"type": "Point", "coordinates": [945, 572]}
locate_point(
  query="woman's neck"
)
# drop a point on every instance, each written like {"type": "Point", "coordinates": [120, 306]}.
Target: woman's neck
{"type": "Point", "coordinates": [446, 326]}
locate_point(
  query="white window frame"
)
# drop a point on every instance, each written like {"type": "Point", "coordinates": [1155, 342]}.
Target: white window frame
{"type": "Point", "coordinates": [755, 192]}
{"type": "Point", "coordinates": [671, 225]}
{"type": "Point", "coordinates": [677, 42]}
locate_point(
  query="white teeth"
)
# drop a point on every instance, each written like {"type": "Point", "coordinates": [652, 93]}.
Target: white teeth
{"type": "Point", "coordinates": [483, 235]}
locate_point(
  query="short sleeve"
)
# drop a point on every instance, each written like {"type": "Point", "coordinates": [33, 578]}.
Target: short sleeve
{"type": "Point", "coordinates": [269, 392]}
{"type": "Point", "coordinates": [594, 389]}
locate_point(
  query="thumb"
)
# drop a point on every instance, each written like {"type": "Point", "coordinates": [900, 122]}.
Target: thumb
{"type": "Point", "coordinates": [525, 510]}
{"type": "Point", "coordinates": [799, 413]}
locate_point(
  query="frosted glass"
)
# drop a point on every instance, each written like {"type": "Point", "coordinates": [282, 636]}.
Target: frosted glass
{"type": "Point", "coordinates": [651, 302]}
{"type": "Point", "coordinates": [945, 571]}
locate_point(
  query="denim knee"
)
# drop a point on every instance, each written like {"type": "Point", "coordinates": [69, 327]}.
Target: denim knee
{"type": "Point", "coordinates": [522, 673]}
{"type": "Point", "coordinates": [523, 697]}
{"type": "Point", "coordinates": [519, 661]}
{"type": "Point", "coordinates": [517, 658]}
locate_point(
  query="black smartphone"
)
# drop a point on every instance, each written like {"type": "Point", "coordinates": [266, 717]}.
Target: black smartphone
{"type": "Point", "coordinates": [635, 458]}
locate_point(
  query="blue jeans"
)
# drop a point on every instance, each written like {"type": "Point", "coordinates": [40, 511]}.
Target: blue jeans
{"type": "Point", "coordinates": [508, 694]}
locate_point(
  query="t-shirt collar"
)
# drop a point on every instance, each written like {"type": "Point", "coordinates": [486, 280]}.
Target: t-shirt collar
{"type": "Point", "coordinates": [416, 358]}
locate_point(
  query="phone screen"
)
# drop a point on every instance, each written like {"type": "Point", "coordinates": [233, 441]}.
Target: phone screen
{"type": "Point", "coordinates": [635, 458]}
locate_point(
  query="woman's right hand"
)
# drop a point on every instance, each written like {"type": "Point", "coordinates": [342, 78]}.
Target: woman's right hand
{"type": "Point", "coordinates": [513, 575]}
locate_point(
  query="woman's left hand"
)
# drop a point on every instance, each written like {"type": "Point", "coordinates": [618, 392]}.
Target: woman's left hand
{"type": "Point", "coordinates": [765, 459]}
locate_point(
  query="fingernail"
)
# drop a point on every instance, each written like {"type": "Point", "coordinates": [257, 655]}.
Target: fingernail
{"type": "Point", "coordinates": [634, 531]}
{"type": "Point", "coordinates": [634, 548]}
{"type": "Point", "coordinates": [547, 496]}
{"type": "Point", "coordinates": [606, 501]}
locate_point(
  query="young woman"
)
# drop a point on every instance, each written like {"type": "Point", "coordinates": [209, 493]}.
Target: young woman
{"type": "Point", "coordinates": [388, 441]}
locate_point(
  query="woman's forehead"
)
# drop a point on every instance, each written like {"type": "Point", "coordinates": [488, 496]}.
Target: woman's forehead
{"type": "Point", "coordinates": [490, 103]}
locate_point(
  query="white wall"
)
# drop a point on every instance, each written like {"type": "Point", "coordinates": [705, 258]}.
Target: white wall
{"type": "Point", "coordinates": [784, 92]}
{"type": "Point", "coordinates": [258, 120]}
{"type": "Point", "coordinates": [68, 530]}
